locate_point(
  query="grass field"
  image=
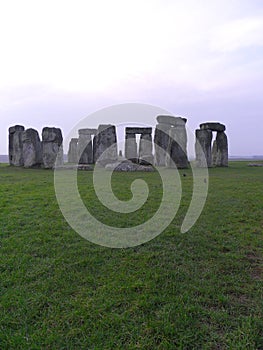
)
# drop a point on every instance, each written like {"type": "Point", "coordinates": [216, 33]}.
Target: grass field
{"type": "Point", "coordinates": [195, 290]}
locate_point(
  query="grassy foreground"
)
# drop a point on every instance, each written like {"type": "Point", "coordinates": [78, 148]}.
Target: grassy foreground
{"type": "Point", "coordinates": [197, 290]}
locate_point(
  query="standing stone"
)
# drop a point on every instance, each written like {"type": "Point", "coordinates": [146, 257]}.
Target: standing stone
{"type": "Point", "coordinates": [214, 154]}
{"type": "Point", "coordinates": [161, 142]}
{"type": "Point", "coordinates": [15, 145]}
{"type": "Point", "coordinates": [171, 141]}
{"type": "Point", "coordinates": [203, 148]}
{"type": "Point", "coordinates": [176, 152]}
{"type": "Point", "coordinates": [52, 147]}
{"type": "Point", "coordinates": [73, 151]}
{"type": "Point", "coordinates": [32, 149]}
{"type": "Point", "coordinates": [94, 150]}
{"type": "Point", "coordinates": [145, 149]}
{"type": "Point", "coordinates": [222, 149]}
{"type": "Point", "coordinates": [86, 146]}
{"type": "Point", "coordinates": [85, 152]}
{"type": "Point", "coordinates": [106, 144]}
{"type": "Point", "coordinates": [131, 147]}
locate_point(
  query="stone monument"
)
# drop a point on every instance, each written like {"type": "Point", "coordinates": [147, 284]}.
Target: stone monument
{"type": "Point", "coordinates": [144, 156]}
{"type": "Point", "coordinates": [171, 142]}
{"type": "Point", "coordinates": [218, 156]}
{"type": "Point", "coordinates": [85, 146]}
{"type": "Point", "coordinates": [105, 145]}
{"type": "Point", "coordinates": [73, 151]}
{"type": "Point", "coordinates": [52, 147]}
{"type": "Point", "coordinates": [15, 145]}
{"type": "Point", "coordinates": [31, 148]}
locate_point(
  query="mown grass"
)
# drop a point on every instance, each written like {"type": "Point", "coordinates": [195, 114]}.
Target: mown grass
{"type": "Point", "coordinates": [197, 290]}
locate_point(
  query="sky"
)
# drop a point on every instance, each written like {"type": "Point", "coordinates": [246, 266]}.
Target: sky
{"type": "Point", "coordinates": [61, 61]}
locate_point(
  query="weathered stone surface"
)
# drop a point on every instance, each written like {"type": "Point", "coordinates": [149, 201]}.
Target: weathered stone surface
{"type": "Point", "coordinates": [15, 145]}
{"type": "Point", "coordinates": [73, 151]}
{"type": "Point", "coordinates": [128, 166]}
{"type": "Point", "coordinates": [87, 131]}
{"type": "Point", "coordinates": [176, 151]}
{"type": "Point", "coordinates": [214, 154]}
{"type": "Point", "coordinates": [131, 147]}
{"type": "Point", "coordinates": [52, 135]}
{"type": "Point", "coordinates": [138, 130]}
{"type": "Point", "coordinates": [170, 120]}
{"type": "Point", "coordinates": [203, 148]}
{"type": "Point", "coordinates": [84, 149]}
{"type": "Point", "coordinates": [52, 148]}
{"type": "Point", "coordinates": [32, 150]}
{"type": "Point", "coordinates": [161, 142]}
{"type": "Point", "coordinates": [84, 167]}
{"type": "Point", "coordinates": [212, 126]}
{"type": "Point", "coordinates": [15, 128]}
{"type": "Point", "coordinates": [145, 149]}
{"type": "Point", "coordinates": [106, 144]}
{"type": "Point", "coordinates": [222, 150]}
{"type": "Point", "coordinates": [256, 164]}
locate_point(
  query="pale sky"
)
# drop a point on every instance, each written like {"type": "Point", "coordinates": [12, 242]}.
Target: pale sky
{"type": "Point", "coordinates": [203, 59]}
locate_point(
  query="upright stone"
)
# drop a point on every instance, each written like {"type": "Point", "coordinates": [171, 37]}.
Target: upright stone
{"type": "Point", "coordinates": [176, 152]}
{"type": "Point", "coordinates": [106, 145]}
{"type": "Point", "coordinates": [214, 154]}
{"type": "Point", "coordinates": [85, 154]}
{"type": "Point", "coordinates": [171, 141]}
{"type": "Point", "coordinates": [32, 149]}
{"type": "Point", "coordinates": [16, 145]}
{"type": "Point", "coordinates": [86, 146]}
{"type": "Point", "coordinates": [222, 149]}
{"type": "Point", "coordinates": [161, 142]}
{"type": "Point", "coordinates": [73, 151]}
{"type": "Point", "coordinates": [203, 148]}
{"type": "Point", "coordinates": [145, 149]}
{"type": "Point", "coordinates": [52, 147]}
{"type": "Point", "coordinates": [131, 147]}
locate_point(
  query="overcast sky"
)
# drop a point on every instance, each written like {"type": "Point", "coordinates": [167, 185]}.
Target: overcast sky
{"type": "Point", "coordinates": [203, 59]}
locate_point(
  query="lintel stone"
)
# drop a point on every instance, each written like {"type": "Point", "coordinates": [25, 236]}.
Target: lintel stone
{"type": "Point", "coordinates": [137, 130]}
{"type": "Point", "coordinates": [213, 126]}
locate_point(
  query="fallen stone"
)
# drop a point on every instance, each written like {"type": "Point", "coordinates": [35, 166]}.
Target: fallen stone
{"type": "Point", "coordinates": [256, 164]}
{"type": "Point", "coordinates": [128, 166]}
{"type": "Point", "coordinates": [83, 167]}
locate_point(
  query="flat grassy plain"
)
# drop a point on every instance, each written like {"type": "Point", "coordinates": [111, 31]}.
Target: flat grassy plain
{"type": "Point", "coordinates": [196, 290]}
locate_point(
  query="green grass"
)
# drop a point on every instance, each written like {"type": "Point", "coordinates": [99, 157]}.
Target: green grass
{"type": "Point", "coordinates": [197, 290]}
